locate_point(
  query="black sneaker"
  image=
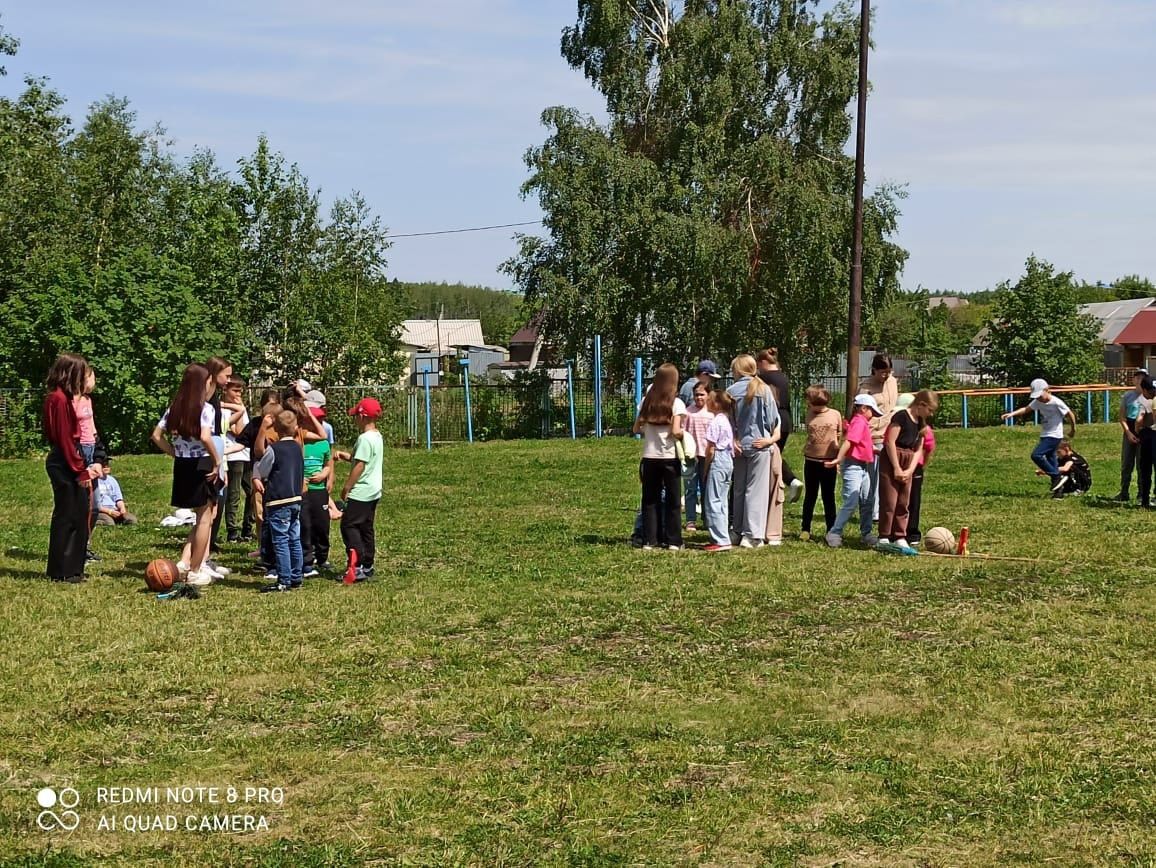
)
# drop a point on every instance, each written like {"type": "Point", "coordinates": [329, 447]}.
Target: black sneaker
{"type": "Point", "coordinates": [363, 573]}
{"type": "Point", "coordinates": [91, 556]}
{"type": "Point", "coordinates": [1121, 498]}
{"type": "Point", "coordinates": [69, 580]}
{"type": "Point", "coordinates": [233, 538]}
{"type": "Point", "coordinates": [276, 587]}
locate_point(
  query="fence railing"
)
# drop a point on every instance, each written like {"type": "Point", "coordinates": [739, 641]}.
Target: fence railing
{"type": "Point", "coordinates": [542, 409]}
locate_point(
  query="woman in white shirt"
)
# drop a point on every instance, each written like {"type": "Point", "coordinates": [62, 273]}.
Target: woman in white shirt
{"type": "Point", "coordinates": [659, 422]}
{"type": "Point", "coordinates": [185, 432]}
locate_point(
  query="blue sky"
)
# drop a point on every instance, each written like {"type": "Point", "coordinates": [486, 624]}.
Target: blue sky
{"type": "Point", "coordinates": [1019, 126]}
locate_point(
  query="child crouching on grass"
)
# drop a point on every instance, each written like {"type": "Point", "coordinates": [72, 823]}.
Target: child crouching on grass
{"type": "Point", "coordinates": [1075, 474]}
{"type": "Point", "coordinates": [718, 469]}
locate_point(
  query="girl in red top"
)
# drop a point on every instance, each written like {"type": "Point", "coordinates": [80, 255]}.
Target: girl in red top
{"type": "Point", "coordinates": [71, 478]}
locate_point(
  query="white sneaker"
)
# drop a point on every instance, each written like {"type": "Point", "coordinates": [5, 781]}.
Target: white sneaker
{"type": "Point", "coordinates": [208, 570]}
{"type": "Point", "coordinates": [220, 571]}
{"type": "Point", "coordinates": [310, 572]}
{"type": "Point", "coordinates": [198, 579]}
{"type": "Point", "coordinates": [760, 543]}
{"type": "Point", "coordinates": [746, 543]}
{"type": "Point", "coordinates": [796, 490]}
{"type": "Point", "coordinates": [774, 542]}
{"type": "Point", "coordinates": [182, 568]}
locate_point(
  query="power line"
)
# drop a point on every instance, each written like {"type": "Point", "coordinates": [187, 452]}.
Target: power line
{"type": "Point", "coordinates": [471, 229]}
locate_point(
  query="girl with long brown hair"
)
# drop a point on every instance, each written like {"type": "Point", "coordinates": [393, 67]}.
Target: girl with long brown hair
{"type": "Point", "coordinates": [71, 478]}
{"type": "Point", "coordinates": [659, 421]}
{"type": "Point", "coordinates": [188, 424]}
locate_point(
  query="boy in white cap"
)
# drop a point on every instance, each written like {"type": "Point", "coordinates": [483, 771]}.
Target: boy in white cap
{"type": "Point", "coordinates": [855, 460]}
{"type": "Point", "coordinates": [1053, 413]}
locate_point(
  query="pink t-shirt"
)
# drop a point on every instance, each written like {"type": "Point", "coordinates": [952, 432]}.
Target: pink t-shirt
{"type": "Point", "coordinates": [696, 422]}
{"type": "Point", "coordinates": [82, 404]}
{"type": "Point", "coordinates": [859, 436]}
{"type": "Point", "coordinates": [928, 444]}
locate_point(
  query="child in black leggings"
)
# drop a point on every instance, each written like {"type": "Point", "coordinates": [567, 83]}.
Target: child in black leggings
{"type": "Point", "coordinates": [824, 430]}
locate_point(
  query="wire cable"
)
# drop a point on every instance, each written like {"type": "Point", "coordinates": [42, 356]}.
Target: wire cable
{"type": "Point", "coordinates": [471, 229]}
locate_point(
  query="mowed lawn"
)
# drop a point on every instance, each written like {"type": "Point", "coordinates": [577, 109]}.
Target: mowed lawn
{"type": "Point", "coordinates": [519, 686]}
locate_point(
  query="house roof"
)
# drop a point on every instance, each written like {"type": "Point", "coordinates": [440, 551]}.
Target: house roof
{"type": "Point", "coordinates": [442, 336]}
{"type": "Point", "coordinates": [528, 334]}
{"type": "Point", "coordinates": [1115, 316]}
{"type": "Point", "coordinates": [951, 302]}
{"type": "Point", "coordinates": [1141, 329]}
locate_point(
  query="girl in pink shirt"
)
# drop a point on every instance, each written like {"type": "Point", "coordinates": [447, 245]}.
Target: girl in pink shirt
{"type": "Point", "coordinates": [82, 404]}
{"type": "Point", "coordinates": [697, 420]}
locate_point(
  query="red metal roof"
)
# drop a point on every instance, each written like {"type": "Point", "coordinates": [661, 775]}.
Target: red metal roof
{"type": "Point", "coordinates": [1140, 330]}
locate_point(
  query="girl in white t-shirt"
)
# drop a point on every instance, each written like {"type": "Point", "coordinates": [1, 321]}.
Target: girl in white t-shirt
{"type": "Point", "coordinates": [660, 421]}
{"type": "Point", "coordinates": [185, 432]}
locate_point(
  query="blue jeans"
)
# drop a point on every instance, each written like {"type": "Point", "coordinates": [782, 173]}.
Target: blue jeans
{"type": "Point", "coordinates": [87, 452]}
{"type": "Point", "coordinates": [693, 488]}
{"type": "Point", "coordinates": [1045, 456]}
{"type": "Point", "coordinates": [856, 495]}
{"type": "Point", "coordinates": [716, 497]}
{"type": "Point", "coordinates": [284, 523]}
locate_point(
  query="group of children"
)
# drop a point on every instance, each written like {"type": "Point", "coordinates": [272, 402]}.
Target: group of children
{"type": "Point", "coordinates": [737, 473]}
{"type": "Point", "coordinates": [283, 461]}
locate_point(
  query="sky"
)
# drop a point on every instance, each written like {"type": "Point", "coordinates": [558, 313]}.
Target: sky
{"type": "Point", "coordinates": [1017, 126]}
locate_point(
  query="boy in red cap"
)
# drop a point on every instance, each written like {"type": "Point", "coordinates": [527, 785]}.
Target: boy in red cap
{"type": "Point", "coordinates": [362, 491]}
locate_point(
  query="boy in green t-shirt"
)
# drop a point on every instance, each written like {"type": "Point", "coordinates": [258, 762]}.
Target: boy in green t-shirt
{"type": "Point", "coordinates": [362, 492]}
{"type": "Point", "coordinates": [315, 505]}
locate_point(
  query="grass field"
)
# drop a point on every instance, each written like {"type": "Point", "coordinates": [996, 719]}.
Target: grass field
{"type": "Point", "coordinates": [519, 686]}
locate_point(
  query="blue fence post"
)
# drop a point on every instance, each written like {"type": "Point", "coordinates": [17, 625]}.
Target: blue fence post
{"type": "Point", "coordinates": [428, 421]}
{"type": "Point", "coordinates": [1107, 401]}
{"type": "Point", "coordinates": [637, 385]}
{"type": "Point", "coordinates": [570, 391]}
{"type": "Point", "coordinates": [1008, 406]}
{"type": "Point", "coordinates": [964, 410]}
{"type": "Point", "coordinates": [465, 363]}
{"type": "Point", "coordinates": [598, 385]}
{"type": "Point", "coordinates": [1089, 403]}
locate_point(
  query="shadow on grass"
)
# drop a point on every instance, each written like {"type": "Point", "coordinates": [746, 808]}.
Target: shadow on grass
{"type": "Point", "coordinates": [601, 539]}
{"type": "Point", "coordinates": [1098, 501]}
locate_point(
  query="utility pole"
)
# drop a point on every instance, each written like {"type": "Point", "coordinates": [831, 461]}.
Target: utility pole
{"type": "Point", "coordinates": [855, 312]}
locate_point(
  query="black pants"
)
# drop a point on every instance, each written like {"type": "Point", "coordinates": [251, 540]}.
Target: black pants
{"type": "Point", "coordinates": [914, 534]}
{"type": "Point", "coordinates": [818, 478]}
{"type": "Point", "coordinates": [1147, 445]}
{"type": "Point", "coordinates": [240, 486]}
{"type": "Point", "coordinates": [214, 545]}
{"type": "Point", "coordinates": [71, 509]}
{"type": "Point", "coordinates": [357, 530]}
{"type": "Point", "coordinates": [784, 436]}
{"type": "Point", "coordinates": [661, 477]}
{"type": "Point", "coordinates": [315, 527]}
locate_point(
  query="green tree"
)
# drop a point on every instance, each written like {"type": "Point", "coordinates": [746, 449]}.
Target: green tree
{"type": "Point", "coordinates": [1037, 330]}
{"type": "Point", "coordinates": [8, 46]}
{"type": "Point", "coordinates": [280, 230]}
{"type": "Point", "coordinates": [499, 311]}
{"type": "Point", "coordinates": [712, 212]}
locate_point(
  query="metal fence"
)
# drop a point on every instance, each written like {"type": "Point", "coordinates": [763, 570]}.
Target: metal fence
{"type": "Point", "coordinates": [541, 408]}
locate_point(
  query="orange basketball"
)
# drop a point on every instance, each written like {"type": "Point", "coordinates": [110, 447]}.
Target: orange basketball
{"type": "Point", "coordinates": [160, 575]}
